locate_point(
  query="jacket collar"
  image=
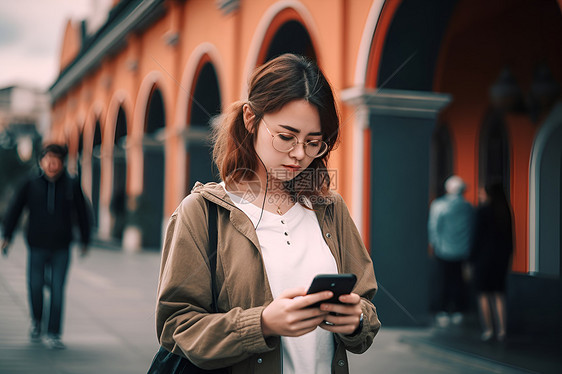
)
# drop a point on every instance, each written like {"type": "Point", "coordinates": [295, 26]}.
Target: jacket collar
{"type": "Point", "coordinates": [215, 193]}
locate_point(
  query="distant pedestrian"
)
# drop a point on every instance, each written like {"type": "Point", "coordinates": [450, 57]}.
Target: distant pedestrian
{"type": "Point", "coordinates": [450, 229]}
{"type": "Point", "coordinates": [54, 202]}
{"type": "Point", "coordinates": [490, 258]}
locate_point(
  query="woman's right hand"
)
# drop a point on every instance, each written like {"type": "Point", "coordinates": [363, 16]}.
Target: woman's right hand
{"type": "Point", "coordinates": [290, 315]}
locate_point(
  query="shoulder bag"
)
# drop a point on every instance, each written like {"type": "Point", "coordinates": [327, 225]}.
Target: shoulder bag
{"type": "Point", "coordinates": [166, 362]}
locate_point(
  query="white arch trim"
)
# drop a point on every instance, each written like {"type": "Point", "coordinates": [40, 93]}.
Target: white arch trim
{"type": "Point", "coordinates": [137, 130]}
{"type": "Point", "coordinates": [141, 104]}
{"type": "Point", "coordinates": [366, 42]}
{"type": "Point", "coordinates": [80, 122]}
{"type": "Point", "coordinates": [94, 114]}
{"type": "Point", "coordinates": [261, 30]}
{"type": "Point", "coordinates": [539, 145]}
{"type": "Point", "coordinates": [361, 115]}
{"type": "Point", "coordinates": [120, 99]}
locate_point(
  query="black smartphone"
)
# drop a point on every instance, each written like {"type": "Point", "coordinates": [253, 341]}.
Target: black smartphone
{"type": "Point", "coordinates": [339, 284]}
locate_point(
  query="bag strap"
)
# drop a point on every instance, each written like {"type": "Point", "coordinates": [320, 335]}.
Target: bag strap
{"type": "Point", "coordinates": [212, 250]}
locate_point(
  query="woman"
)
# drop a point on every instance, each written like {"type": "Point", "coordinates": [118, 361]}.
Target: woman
{"type": "Point", "coordinates": [278, 227]}
{"type": "Point", "coordinates": [490, 258]}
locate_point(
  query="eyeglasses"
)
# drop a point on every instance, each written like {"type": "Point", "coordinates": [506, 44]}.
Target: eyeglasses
{"type": "Point", "coordinates": [286, 142]}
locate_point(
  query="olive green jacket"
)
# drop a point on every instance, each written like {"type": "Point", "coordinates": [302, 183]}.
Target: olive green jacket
{"type": "Point", "coordinates": [233, 338]}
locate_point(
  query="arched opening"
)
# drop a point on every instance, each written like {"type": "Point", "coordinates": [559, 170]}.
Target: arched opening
{"type": "Point", "coordinates": [291, 37]}
{"type": "Point", "coordinates": [494, 160]}
{"type": "Point", "coordinates": [441, 160]}
{"type": "Point", "coordinates": [96, 172]}
{"type": "Point", "coordinates": [204, 104]}
{"type": "Point", "coordinates": [546, 172]}
{"type": "Point", "coordinates": [406, 154]}
{"type": "Point", "coordinates": [150, 207]}
{"type": "Point", "coordinates": [118, 205]}
{"type": "Point", "coordinates": [411, 48]}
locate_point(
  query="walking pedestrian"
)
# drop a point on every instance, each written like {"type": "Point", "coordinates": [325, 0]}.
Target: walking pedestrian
{"type": "Point", "coordinates": [54, 201]}
{"type": "Point", "coordinates": [490, 259]}
{"type": "Point", "coordinates": [450, 230]}
{"type": "Point", "coordinates": [278, 226]}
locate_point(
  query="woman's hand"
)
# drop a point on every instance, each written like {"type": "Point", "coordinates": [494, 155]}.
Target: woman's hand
{"type": "Point", "coordinates": [291, 315]}
{"type": "Point", "coordinates": [347, 317]}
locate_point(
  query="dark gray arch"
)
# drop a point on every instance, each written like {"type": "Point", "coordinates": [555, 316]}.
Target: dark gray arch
{"type": "Point", "coordinates": [545, 196]}
{"type": "Point", "coordinates": [118, 204]}
{"type": "Point", "coordinates": [412, 45]}
{"type": "Point", "coordinates": [151, 202]}
{"type": "Point", "coordinates": [96, 171]}
{"type": "Point", "coordinates": [291, 37]}
{"type": "Point", "coordinates": [402, 119]}
{"type": "Point", "coordinates": [494, 152]}
{"type": "Point", "coordinates": [205, 104]}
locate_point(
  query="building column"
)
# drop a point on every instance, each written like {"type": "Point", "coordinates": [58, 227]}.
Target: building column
{"type": "Point", "coordinates": [401, 124]}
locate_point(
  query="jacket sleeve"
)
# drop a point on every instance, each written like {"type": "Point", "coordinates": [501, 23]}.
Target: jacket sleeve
{"type": "Point", "coordinates": [356, 260]}
{"type": "Point", "coordinates": [185, 323]}
{"type": "Point", "coordinates": [14, 211]}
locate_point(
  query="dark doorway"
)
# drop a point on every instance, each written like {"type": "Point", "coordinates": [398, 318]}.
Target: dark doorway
{"type": "Point", "coordinates": [118, 205]}
{"type": "Point", "coordinates": [79, 155]}
{"type": "Point", "coordinates": [96, 172]}
{"type": "Point", "coordinates": [292, 37]}
{"type": "Point", "coordinates": [151, 204]}
{"type": "Point", "coordinates": [493, 164]}
{"type": "Point", "coordinates": [205, 104]}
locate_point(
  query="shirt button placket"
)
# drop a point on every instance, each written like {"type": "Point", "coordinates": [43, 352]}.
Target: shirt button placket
{"type": "Point", "coordinates": [285, 232]}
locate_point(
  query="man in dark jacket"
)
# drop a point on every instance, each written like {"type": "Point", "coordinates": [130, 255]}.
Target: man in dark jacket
{"type": "Point", "coordinates": [54, 201]}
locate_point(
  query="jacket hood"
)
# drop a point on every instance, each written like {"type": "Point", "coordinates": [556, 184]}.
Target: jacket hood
{"type": "Point", "coordinates": [216, 193]}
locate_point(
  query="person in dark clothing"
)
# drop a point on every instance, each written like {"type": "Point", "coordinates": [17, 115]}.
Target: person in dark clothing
{"type": "Point", "coordinates": [54, 201]}
{"type": "Point", "coordinates": [490, 258]}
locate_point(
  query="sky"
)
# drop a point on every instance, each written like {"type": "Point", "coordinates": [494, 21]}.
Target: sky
{"type": "Point", "coordinates": [31, 33]}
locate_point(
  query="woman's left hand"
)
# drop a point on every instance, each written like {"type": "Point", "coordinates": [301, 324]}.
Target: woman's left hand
{"type": "Point", "coordinates": [347, 317]}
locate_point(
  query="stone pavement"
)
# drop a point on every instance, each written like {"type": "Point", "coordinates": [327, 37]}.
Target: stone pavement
{"type": "Point", "coordinates": [109, 325]}
{"type": "Point", "coordinates": [109, 315]}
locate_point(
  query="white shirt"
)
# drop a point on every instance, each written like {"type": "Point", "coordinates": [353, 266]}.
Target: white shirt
{"type": "Point", "coordinates": [294, 251]}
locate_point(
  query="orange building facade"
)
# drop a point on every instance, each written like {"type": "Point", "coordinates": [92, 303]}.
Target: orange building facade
{"type": "Point", "coordinates": [451, 87]}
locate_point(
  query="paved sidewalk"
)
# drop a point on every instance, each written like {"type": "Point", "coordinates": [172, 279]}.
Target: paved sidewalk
{"type": "Point", "coordinates": [109, 325]}
{"type": "Point", "coordinates": [109, 316]}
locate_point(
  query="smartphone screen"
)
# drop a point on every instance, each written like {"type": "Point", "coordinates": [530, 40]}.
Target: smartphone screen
{"type": "Point", "coordinates": [339, 284]}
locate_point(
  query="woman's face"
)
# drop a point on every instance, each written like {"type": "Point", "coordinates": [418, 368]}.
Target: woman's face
{"type": "Point", "coordinates": [299, 118]}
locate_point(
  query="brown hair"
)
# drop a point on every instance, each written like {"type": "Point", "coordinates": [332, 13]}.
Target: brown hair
{"type": "Point", "coordinates": [278, 82]}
